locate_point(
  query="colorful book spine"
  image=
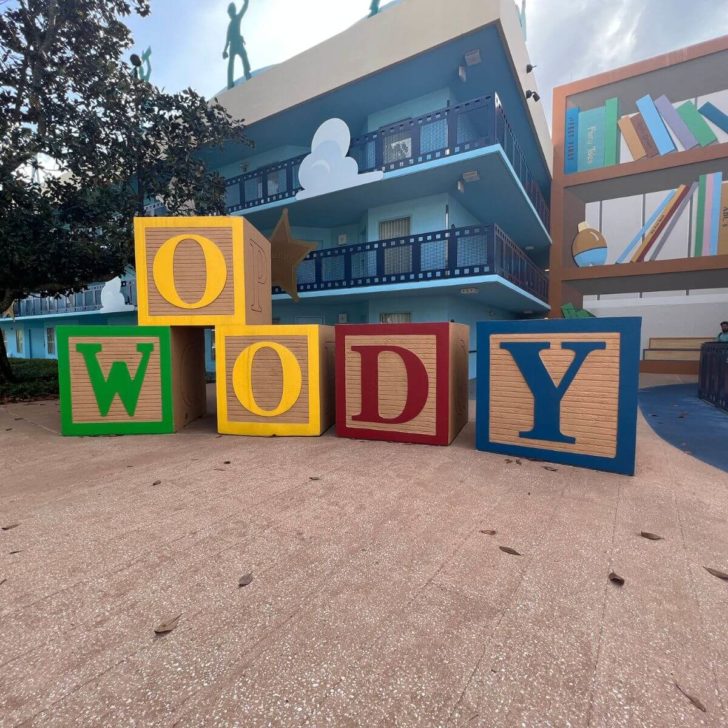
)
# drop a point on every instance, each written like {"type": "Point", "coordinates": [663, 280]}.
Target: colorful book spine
{"type": "Point", "coordinates": [697, 124]}
{"type": "Point", "coordinates": [659, 225]}
{"type": "Point", "coordinates": [611, 133]}
{"type": "Point", "coordinates": [591, 139]}
{"type": "Point", "coordinates": [714, 114]}
{"type": "Point", "coordinates": [712, 213]}
{"type": "Point", "coordinates": [629, 133]}
{"type": "Point", "coordinates": [700, 217]}
{"type": "Point", "coordinates": [654, 122]}
{"type": "Point", "coordinates": [679, 128]}
{"type": "Point", "coordinates": [571, 153]}
{"type": "Point", "coordinates": [644, 134]}
{"type": "Point", "coordinates": [637, 239]}
{"type": "Point", "coordinates": [723, 229]}
{"type": "Point", "coordinates": [665, 235]}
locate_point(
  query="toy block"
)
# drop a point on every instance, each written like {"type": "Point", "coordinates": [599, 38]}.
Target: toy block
{"type": "Point", "coordinates": [275, 380]}
{"type": "Point", "coordinates": [201, 271]}
{"type": "Point", "coordinates": [402, 382]}
{"type": "Point", "coordinates": [560, 390]}
{"type": "Point", "coordinates": [117, 380]}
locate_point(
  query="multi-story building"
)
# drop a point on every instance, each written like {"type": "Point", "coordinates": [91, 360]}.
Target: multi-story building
{"type": "Point", "coordinates": [641, 157]}
{"type": "Point", "coordinates": [448, 218]}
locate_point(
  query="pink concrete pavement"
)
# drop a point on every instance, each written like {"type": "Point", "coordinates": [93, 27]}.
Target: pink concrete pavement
{"type": "Point", "coordinates": [376, 599]}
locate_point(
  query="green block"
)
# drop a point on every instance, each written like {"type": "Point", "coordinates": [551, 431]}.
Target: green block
{"type": "Point", "coordinates": [611, 135]}
{"type": "Point", "coordinates": [697, 124]}
{"type": "Point", "coordinates": [700, 217]}
{"type": "Point", "coordinates": [124, 380]}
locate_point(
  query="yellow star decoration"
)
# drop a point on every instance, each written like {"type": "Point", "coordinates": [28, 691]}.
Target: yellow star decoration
{"type": "Point", "coordinates": [285, 256]}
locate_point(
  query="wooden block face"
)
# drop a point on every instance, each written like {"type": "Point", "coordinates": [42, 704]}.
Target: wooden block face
{"type": "Point", "coordinates": [189, 387]}
{"type": "Point", "coordinates": [201, 271]}
{"type": "Point", "coordinates": [561, 390]}
{"type": "Point", "coordinates": [273, 380]}
{"type": "Point", "coordinates": [392, 382]}
{"type": "Point", "coordinates": [115, 380]}
{"type": "Point", "coordinates": [459, 351]}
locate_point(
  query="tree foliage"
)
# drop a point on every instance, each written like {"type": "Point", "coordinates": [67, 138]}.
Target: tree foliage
{"type": "Point", "coordinates": [68, 97]}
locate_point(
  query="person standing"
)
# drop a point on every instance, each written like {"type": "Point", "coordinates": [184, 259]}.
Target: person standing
{"type": "Point", "coordinates": [723, 335]}
{"type": "Point", "coordinates": [236, 43]}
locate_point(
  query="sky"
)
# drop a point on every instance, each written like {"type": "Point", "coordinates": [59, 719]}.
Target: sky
{"type": "Point", "coordinates": [567, 39]}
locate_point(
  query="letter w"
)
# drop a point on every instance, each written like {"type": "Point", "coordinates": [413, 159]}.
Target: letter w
{"type": "Point", "coordinates": [546, 395]}
{"type": "Point", "coordinates": [119, 380]}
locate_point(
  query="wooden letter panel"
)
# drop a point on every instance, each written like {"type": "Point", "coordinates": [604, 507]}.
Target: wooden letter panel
{"type": "Point", "coordinates": [274, 380]}
{"type": "Point", "coordinates": [117, 380]}
{"type": "Point", "coordinates": [402, 382]}
{"type": "Point", "coordinates": [201, 271]}
{"type": "Point", "coordinates": [561, 390]}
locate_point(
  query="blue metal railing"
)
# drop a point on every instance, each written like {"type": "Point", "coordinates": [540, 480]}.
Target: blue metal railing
{"type": "Point", "coordinates": [426, 257]}
{"type": "Point", "coordinates": [456, 129]}
{"type": "Point", "coordinates": [86, 300]}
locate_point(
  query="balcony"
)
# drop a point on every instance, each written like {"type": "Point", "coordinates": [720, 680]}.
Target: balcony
{"type": "Point", "coordinates": [459, 253]}
{"type": "Point", "coordinates": [455, 130]}
{"type": "Point", "coordinates": [86, 301]}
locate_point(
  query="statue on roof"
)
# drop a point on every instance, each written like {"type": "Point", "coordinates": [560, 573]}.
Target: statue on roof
{"type": "Point", "coordinates": [137, 62]}
{"type": "Point", "coordinates": [374, 8]}
{"type": "Point", "coordinates": [236, 43]}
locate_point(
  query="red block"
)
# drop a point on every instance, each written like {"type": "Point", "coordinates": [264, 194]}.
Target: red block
{"type": "Point", "coordinates": [402, 382]}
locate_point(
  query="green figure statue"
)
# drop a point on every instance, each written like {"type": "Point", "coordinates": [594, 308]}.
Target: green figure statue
{"type": "Point", "coordinates": [142, 75]}
{"type": "Point", "coordinates": [236, 43]}
{"type": "Point", "coordinates": [374, 8]}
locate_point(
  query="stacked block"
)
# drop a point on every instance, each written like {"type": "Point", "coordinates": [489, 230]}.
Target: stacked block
{"type": "Point", "coordinates": [202, 271]}
{"type": "Point", "coordinates": [118, 380]}
{"type": "Point", "coordinates": [402, 382]}
{"type": "Point", "coordinates": [275, 380]}
{"type": "Point", "coordinates": [561, 390]}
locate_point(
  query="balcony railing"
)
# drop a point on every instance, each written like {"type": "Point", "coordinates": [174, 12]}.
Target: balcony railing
{"type": "Point", "coordinates": [443, 133]}
{"type": "Point", "coordinates": [436, 256]}
{"type": "Point", "coordinates": [82, 302]}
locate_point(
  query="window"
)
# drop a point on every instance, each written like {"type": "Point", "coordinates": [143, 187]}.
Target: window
{"type": "Point", "coordinates": [19, 340]}
{"type": "Point", "coordinates": [395, 318]}
{"type": "Point", "coordinates": [51, 340]}
{"type": "Point", "coordinates": [397, 228]}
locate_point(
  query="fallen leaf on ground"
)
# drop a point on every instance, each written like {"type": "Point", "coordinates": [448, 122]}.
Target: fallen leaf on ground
{"type": "Point", "coordinates": [651, 536]}
{"type": "Point", "coordinates": [157, 482]}
{"type": "Point", "coordinates": [7, 429]}
{"type": "Point", "coordinates": [509, 550]}
{"type": "Point", "coordinates": [17, 419]}
{"type": "Point", "coordinates": [227, 462]}
{"type": "Point", "coordinates": [489, 532]}
{"type": "Point", "coordinates": [17, 551]}
{"type": "Point", "coordinates": [715, 572]}
{"type": "Point", "coordinates": [167, 626]}
{"type": "Point", "coordinates": [518, 462]}
{"type": "Point", "coordinates": [245, 580]}
{"type": "Point", "coordinates": [695, 701]}
{"type": "Point", "coordinates": [2, 581]}
{"type": "Point", "coordinates": [9, 526]}
{"type": "Point", "coordinates": [549, 467]}
{"type": "Point", "coordinates": [314, 477]}
{"type": "Point", "coordinates": [508, 460]}
{"type": "Point", "coordinates": [616, 578]}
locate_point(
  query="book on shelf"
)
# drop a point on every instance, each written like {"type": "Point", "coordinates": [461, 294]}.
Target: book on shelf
{"type": "Point", "coordinates": [644, 134]}
{"type": "Point", "coordinates": [714, 114]}
{"type": "Point", "coordinates": [632, 140]}
{"type": "Point", "coordinates": [653, 120]}
{"type": "Point", "coordinates": [676, 123]}
{"type": "Point", "coordinates": [723, 223]}
{"type": "Point", "coordinates": [637, 239]}
{"type": "Point", "coordinates": [700, 218]}
{"type": "Point", "coordinates": [659, 224]}
{"type": "Point", "coordinates": [590, 137]}
{"type": "Point", "coordinates": [697, 124]}
{"type": "Point", "coordinates": [611, 132]}
{"type": "Point", "coordinates": [571, 153]}
{"type": "Point", "coordinates": [664, 236]}
{"type": "Point", "coordinates": [711, 223]}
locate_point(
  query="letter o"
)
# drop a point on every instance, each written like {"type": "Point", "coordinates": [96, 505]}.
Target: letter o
{"type": "Point", "coordinates": [215, 271]}
{"type": "Point", "coordinates": [243, 379]}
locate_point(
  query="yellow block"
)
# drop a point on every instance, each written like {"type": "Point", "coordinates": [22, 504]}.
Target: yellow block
{"type": "Point", "coordinates": [201, 271]}
{"type": "Point", "coordinates": [274, 380]}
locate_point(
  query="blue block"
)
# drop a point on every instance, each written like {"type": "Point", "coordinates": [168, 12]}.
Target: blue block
{"type": "Point", "coordinates": [560, 390]}
{"type": "Point", "coordinates": [657, 128]}
{"type": "Point", "coordinates": [714, 114]}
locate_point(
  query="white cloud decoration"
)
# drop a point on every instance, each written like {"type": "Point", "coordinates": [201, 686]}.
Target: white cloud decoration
{"type": "Point", "coordinates": [327, 168]}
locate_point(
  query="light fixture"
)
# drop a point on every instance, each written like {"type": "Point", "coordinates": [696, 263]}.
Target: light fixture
{"type": "Point", "coordinates": [529, 247]}
{"type": "Point", "coordinates": [463, 73]}
{"type": "Point", "coordinates": [472, 176]}
{"type": "Point", "coordinates": [532, 95]}
{"type": "Point", "coordinates": [529, 67]}
{"type": "Point", "coordinates": [461, 186]}
{"type": "Point", "coordinates": [468, 291]}
{"type": "Point", "coordinates": [472, 58]}
{"type": "Point", "coordinates": [527, 312]}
